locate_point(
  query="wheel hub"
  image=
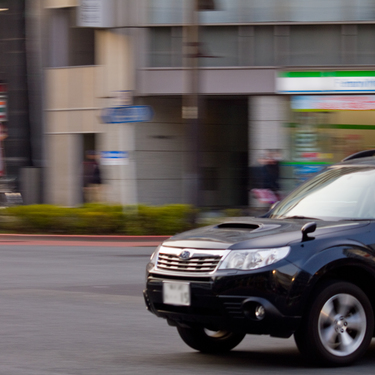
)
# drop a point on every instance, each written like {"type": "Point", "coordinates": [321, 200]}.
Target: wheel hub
{"type": "Point", "coordinates": [341, 325]}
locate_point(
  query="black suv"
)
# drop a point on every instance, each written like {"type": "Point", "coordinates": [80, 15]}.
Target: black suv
{"type": "Point", "coordinates": [306, 268]}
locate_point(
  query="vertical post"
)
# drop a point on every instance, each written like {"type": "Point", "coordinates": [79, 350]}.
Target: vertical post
{"type": "Point", "coordinates": [124, 99]}
{"type": "Point", "coordinates": [121, 142]}
{"type": "Point", "coordinates": [190, 110]}
{"type": "Point", "coordinates": [129, 195]}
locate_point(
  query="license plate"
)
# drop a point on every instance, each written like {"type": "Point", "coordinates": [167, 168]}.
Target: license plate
{"type": "Point", "coordinates": [176, 293]}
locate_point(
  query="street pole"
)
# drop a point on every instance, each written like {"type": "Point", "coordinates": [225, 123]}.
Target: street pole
{"type": "Point", "coordinates": [190, 109]}
{"type": "Point", "coordinates": [191, 100]}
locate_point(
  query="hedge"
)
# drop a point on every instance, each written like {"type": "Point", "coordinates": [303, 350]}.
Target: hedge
{"type": "Point", "coordinates": [98, 219]}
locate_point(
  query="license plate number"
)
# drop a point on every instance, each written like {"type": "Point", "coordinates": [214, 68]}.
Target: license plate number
{"type": "Point", "coordinates": [176, 293]}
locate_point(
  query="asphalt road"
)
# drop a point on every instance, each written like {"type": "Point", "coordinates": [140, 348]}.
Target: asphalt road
{"type": "Point", "coordinates": [79, 310]}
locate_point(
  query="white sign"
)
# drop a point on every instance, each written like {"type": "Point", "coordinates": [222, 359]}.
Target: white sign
{"type": "Point", "coordinates": [123, 98]}
{"type": "Point", "coordinates": [114, 158]}
{"type": "Point", "coordinates": [294, 85]}
{"type": "Point", "coordinates": [333, 103]}
{"type": "Point", "coordinates": [190, 113]}
{"type": "Point", "coordinates": [325, 82]}
{"type": "Point", "coordinates": [354, 84]}
{"type": "Point", "coordinates": [96, 13]}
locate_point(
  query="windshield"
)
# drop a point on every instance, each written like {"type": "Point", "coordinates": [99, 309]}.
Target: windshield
{"type": "Point", "coordinates": [342, 193]}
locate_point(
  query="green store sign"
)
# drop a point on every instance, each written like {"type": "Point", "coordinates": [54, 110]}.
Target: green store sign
{"type": "Point", "coordinates": [316, 82]}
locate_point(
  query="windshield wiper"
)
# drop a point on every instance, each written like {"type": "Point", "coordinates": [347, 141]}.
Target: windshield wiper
{"type": "Point", "coordinates": [299, 217]}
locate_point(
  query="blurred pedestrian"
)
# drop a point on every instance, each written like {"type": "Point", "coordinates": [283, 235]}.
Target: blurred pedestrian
{"type": "Point", "coordinates": [91, 178]}
{"type": "Point", "coordinates": [266, 178]}
{"type": "Point", "coordinates": [271, 172]}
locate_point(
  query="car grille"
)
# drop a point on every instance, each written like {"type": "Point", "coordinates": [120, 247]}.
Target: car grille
{"type": "Point", "coordinates": [200, 263]}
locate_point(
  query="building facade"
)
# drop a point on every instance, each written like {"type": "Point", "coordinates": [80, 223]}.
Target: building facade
{"type": "Point", "coordinates": [247, 106]}
{"type": "Point", "coordinates": [21, 134]}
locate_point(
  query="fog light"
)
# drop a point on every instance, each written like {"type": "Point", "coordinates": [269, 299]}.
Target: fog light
{"type": "Point", "coordinates": [260, 312]}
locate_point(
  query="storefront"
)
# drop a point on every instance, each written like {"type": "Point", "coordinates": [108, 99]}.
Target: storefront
{"type": "Point", "coordinates": [3, 127]}
{"type": "Point", "coordinates": [332, 115]}
{"type": "Point", "coordinates": [3, 102]}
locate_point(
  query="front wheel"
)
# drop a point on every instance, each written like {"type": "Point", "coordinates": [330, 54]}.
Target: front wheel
{"type": "Point", "coordinates": [337, 329]}
{"type": "Point", "coordinates": [199, 338]}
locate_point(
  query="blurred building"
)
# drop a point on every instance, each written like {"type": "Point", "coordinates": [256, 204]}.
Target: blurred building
{"type": "Point", "coordinates": [20, 131]}
{"type": "Point", "coordinates": [286, 75]}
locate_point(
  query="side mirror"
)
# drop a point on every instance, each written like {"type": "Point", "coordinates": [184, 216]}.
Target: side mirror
{"type": "Point", "coordinates": [306, 229]}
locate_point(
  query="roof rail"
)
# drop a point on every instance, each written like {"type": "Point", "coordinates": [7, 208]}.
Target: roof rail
{"type": "Point", "coordinates": [361, 154]}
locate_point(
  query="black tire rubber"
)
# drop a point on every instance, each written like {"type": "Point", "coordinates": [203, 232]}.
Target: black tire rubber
{"type": "Point", "coordinates": [219, 342]}
{"type": "Point", "coordinates": [310, 338]}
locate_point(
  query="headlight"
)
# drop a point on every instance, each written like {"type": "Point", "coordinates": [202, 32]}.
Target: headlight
{"type": "Point", "coordinates": [154, 255]}
{"type": "Point", "coordinates": [153, 259]}
{"type": "Point", "coordinates": [253, 259]}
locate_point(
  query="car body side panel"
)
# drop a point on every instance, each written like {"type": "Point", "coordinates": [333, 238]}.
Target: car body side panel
{"type": "Point", "coordinates": [329, 262]}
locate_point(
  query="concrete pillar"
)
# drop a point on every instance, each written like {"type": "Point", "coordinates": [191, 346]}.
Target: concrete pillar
{"type": "Point", "coordinates": [267, 116]}
{"type": "Point", "coordinates": [31, 185]}
{"type": "Point", "coordinates": [64, 169]}
{"type": "Point", "coordinates": [115, 57]}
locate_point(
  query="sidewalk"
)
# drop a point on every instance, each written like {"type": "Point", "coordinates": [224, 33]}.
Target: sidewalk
{"type": "Point", "coordinates": [81, 240]}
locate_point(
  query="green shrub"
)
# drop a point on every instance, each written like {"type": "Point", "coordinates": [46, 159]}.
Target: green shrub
{"type": "Point", "coordinates": [98, 219]}
{"type": "Point", "coordinates": [154, 220]}
{"type": "Point", "coordinates": [37, 218]}
{"type": "Point", "coordinates": [233, 212]}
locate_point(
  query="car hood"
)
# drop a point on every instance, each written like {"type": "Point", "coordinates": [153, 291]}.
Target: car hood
{"type": "Point", "coordinates": [256, 233]}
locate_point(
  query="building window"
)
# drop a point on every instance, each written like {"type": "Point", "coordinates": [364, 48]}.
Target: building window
{"type": "Point", "coordinates": [82, 46]}
{"type": "Point", "coordinates": [219, 46]}
{"type": "Point", "coordinates": [266, 45]}
{"type": "Point", "coordinates": [69, 45]}
{"type": "Point", "coordinates": [264, 54]}
{"type": "Point", "coordinates": [161, 47]}
{"type": "Point", "coordinates": [165, 47]}
{"type": "Point", "coordinates": [315, 45]}
{"type": "Point", "coordinates": [165, 11]}
{"type": "Point", "coordinates": [250, 11]}
{"type": "Point", "coordinates": [366, 44]}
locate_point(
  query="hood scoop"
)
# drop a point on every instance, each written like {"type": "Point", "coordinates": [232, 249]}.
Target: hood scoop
{"type": "Point", "coordinates": [238, 226]}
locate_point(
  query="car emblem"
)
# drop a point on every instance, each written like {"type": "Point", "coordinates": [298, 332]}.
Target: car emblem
{"type": "Point", "coordinates": [185, 255]}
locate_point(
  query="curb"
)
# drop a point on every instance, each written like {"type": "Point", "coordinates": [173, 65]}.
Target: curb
{"type": "Point", "coordinates": [101, 238]}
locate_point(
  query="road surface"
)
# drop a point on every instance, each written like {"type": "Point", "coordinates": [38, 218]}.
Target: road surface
{"type": "Point", "coordinates": [69, 307]}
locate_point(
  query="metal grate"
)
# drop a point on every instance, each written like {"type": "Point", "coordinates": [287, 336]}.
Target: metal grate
{"type": "Point", "coordinates": [172, 262]}
{"type": "Point", "coordinates": [234, 309]}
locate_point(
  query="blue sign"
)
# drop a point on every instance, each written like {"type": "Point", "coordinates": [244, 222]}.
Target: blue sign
{"type": "Point", "coordinates": [128, 113]}
{"type": "Point", "coordinates": [114, 157]}
{"type": "Point", "coordinates": [304, 172]}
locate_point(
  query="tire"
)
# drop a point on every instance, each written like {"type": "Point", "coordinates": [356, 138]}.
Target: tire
{"type": "Point", "coordinates": [338, 325]}
{"type": "Point", "coordinates": [207, 341]}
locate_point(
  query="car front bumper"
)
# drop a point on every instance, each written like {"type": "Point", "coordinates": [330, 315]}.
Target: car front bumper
{"type": "Point", "coordinates": [222, 303]}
